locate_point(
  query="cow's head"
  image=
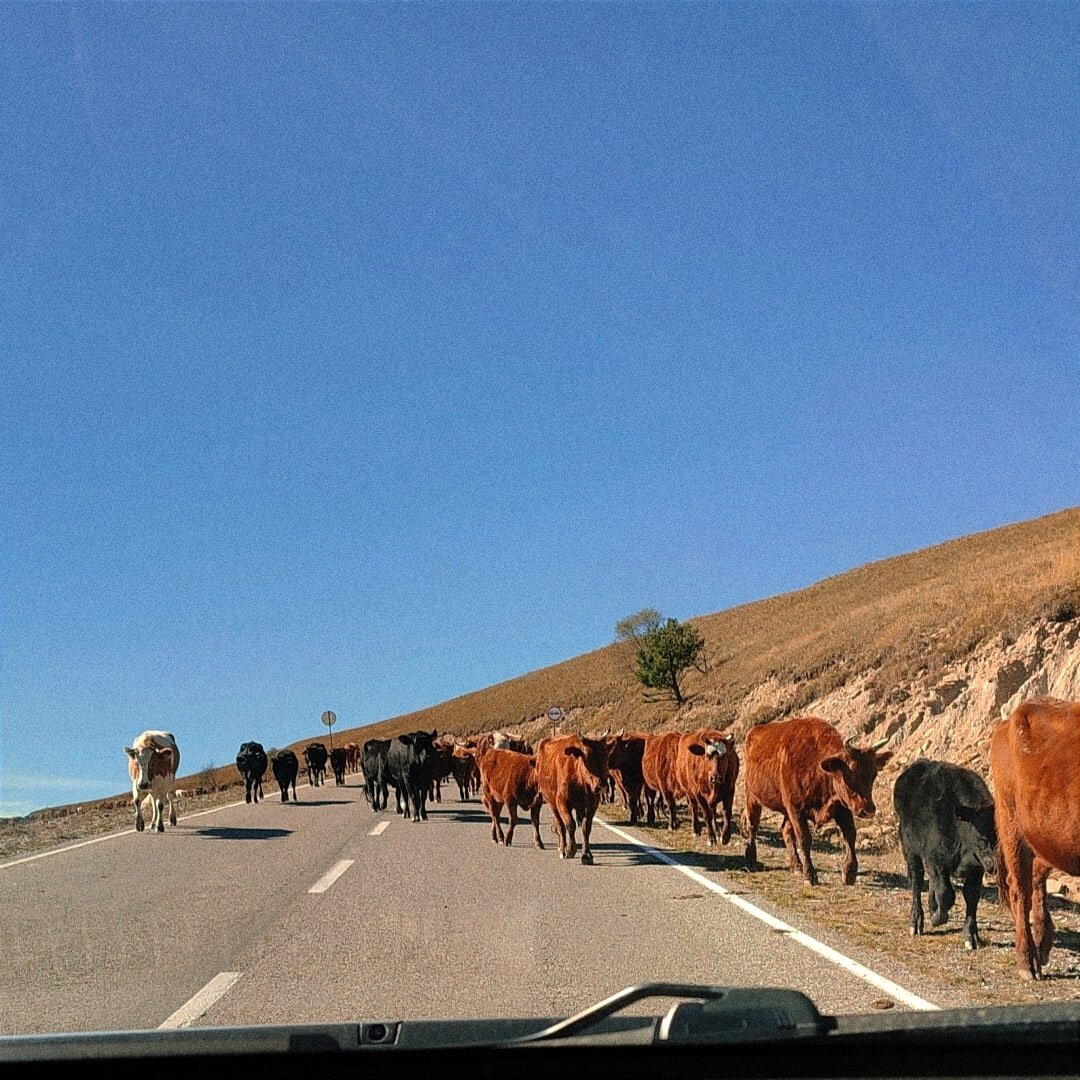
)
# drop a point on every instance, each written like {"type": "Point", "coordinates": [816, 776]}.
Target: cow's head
{"type": "Point", "coordinates": [718, 755]}
{"type": "Point", "coordinates": [141, 759]}
{"type": "Point", "coordinates": [978, 833]}
{"type": "Point", "coordinates": [853, 773]}
{"type": "Point", "coordinates": [593, 754]}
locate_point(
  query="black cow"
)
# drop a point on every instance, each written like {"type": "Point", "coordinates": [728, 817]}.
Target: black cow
{"type": "Point", "coordinates": [251, 761]}
{"type": "Point", "coordinates": [411, 761]}
{"type": "Point", "coordinates": [338, 757]}
{"type": "Point", "coordinates": [285, 768]}
{"type": "Point", "coordinates": [315, 757]}
{"type": "Point", "coordinates": [376, 772]}
{"type": "Point", "coordinates": [946, 816]}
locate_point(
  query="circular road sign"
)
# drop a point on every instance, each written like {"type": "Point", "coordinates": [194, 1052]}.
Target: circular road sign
{"type": "Point", "coordinates": [328, 718]}
{"type": "Point", "coordinates": [554, 714]}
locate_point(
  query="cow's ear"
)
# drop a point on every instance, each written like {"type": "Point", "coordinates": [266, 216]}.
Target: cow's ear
{"type": "Point", "coordinates": [129, 751]}
{"type": "Point", "coordinates": [833, 764]}
{"type": "Point", "coordinates": [696, 749]}
{"type": "Point", "coordinates": [434, 733]}
{"type": "Point", "coordinates": [882, 757]}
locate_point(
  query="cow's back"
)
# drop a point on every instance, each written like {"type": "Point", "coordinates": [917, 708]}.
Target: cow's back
{"type": "Point", "coordinates": [785, 755]}
{"type": "Point", "coordinates": [658, 760]}
{"type": "Point", "coordinates": [1035, 764]}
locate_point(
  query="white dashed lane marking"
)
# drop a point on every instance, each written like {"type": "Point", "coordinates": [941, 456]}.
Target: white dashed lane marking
{"type": "Point", "coordinates": [197, 1006]}
{"type": "Point", "coordinates": [380, 828]}
{"type": "Point", "coordinates": [331, 876]}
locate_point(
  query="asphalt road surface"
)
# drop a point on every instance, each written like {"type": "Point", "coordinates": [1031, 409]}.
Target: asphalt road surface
{"type": "Point", "coordinates": [215, 923]}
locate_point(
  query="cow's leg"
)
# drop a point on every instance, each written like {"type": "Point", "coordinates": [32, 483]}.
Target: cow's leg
{"type": "Point", "coordinates": [534, 813]}
{"type": "Point", "coordinates": [694, 806]}
{"type": "Point", "coordinates": [650, 805]}
{"type": "Point", "coordinates": [586, 832]}
{"type": "Point", "coordinates": [673, 821]}
{"type": "Point", "coordinates": [709, 809]}
{"type": "Point", "coordinates": [791, 845]}
{"type": "Point", "coordinates": [800, 830]}
{"type": "Point", "coordinates": [571, 832]}
{"type": "Point", "coordinates": [1018, 859]}
{"type": "Point", "coordinates": [511, 813]}
{"type": "Point", "coordinates": [494, 809]}
{"type": "Point", "coordinates": [1042, 927]}
{"type": "Point", "coordinates": [137, 799]}
{"type": "Point", "coordinates": [845, 821]}
{"type": "Point", "coordinates": [635, 805]}
{"type": "Point", "coordinates": [753, 819]}
{"type": "Point", "coordinates": [559, 826]}
{"type": "Point", "coordinates": [972, 891]}
{"type": "Point", "coordinates": [942, 895]}
{"type": "Point", "coordinates": [159, 814]}
{"type": "Point", "coordinates": [915, 880]}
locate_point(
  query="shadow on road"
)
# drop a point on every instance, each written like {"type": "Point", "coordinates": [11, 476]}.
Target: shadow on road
{"type": "Point", "coordinates": [223, 833]}
{"type": "Point", "coordinates": [318, 802]}
{"type": "Point", "coordinates": [465, 814]}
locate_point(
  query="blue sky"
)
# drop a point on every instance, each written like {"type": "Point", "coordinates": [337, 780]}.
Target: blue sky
{"type": "Point", "coordinates": [359, 356]}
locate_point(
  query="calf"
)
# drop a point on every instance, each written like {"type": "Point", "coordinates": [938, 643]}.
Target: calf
{"type": "Point", "coordinates": [153, 760]}
{"type": "Point", "coordinates": [376, 772]}
{"type": "Point", "coordinates": [1035, 764]}
{"type": "Point", "coordinates": [572, 771]}
{"type": "Point", "coordinates": [315, 758]}
{"type": "Point", "coordinates": [338, 759]}
{"type": "Point", "coordinates": [706, 768]}
{"type": "Point", "coordinates": [509, 779]}
{"type": "Point", "coordinates": [286, 767]}
{"type": "Point", "coordinates": [251, 763]}
{"type": "Point", "coordinates": [658, 773]}
{"type": "Point", "coordinates": [946, 816]}
{"type": "Point", "coordinates": [805, 771]}
{"type": "Point", "coordinates": [463, 766]}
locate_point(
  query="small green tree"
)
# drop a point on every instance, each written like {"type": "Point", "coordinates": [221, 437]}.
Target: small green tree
{"type": "Point", "coordinates": [662, 650]}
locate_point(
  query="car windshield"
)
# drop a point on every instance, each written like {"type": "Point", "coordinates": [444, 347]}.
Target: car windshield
{"type": "Point", "coordinates": [508, 501]}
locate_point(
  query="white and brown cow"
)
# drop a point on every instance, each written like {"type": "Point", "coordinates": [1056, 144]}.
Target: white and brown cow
{"type": "Point", "coordinates": [152, 765]}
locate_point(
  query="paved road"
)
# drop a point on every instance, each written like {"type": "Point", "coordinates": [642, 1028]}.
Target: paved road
{"type": "Point", "coordinates": [425, 920]}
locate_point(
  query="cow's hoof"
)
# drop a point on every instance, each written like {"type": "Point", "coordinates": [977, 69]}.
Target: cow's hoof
{"type": "Point", "coordinates": [540, 845]}
{"type": "Point", "coordinates": [586, 858]}
{"type": "Point", "coordinates": [970, 945]}
{"type": "Point", "coordinates": [161, 827]}
{"type": "Point", "coordinates": [139, 824]}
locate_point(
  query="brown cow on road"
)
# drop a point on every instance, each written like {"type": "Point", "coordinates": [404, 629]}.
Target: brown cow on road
{"type": "Point", "coordinates": [572, 770]}
{"type": "Point", "coordinates": [658, 772]}
{"type": "Point", "coordinates": [509, 779]}
{"type": "Point", "coordinates": [1035, 765]}
{"type": "Point", "coordinates": [464, 769]}
{"type": "Point", "coordinates": [706, 768]}
{"type": "Point", "coordinates": [624, 763]}
{"type": "Point", "coordinates": [803, 769]}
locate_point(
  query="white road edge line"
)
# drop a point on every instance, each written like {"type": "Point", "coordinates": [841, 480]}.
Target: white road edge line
{"type": "Point", "coordinates": [380, 828]}
{"type": "Point", "coordinates": [331, 876]}
{"type": "Point", "coordinates": [887, 986]}
{"type": "Point", "coordinates": [198, 1005]}
{"type": "Point", "coordinates": [114, 836]}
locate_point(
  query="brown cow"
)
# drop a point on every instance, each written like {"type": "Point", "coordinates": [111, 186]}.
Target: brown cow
{"type": "Point", "coordinates": [509, 779]}
{"type": "Point", "coordinates": [658, 772]}
{"type": "Point", "coordinates": [572, 770]}
{"type": "Point", "coordinates": [803, 769]}
{"type": "Point", "coordinates": [1035, 765]}
{"type": "Point", "coordinates": [463, 766]}
{"type": "Point", "coordinates": [444, 756]}
{"type": "Point", "coordinates": [706, 767]}
{"type": "Point", "coordinates": [352, 757]}
{"type": "Point", "coordinates": [624, 763]}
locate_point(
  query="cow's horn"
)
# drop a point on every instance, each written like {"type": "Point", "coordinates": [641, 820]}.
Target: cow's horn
{"type": "Point", "coordinates": [880, 743]}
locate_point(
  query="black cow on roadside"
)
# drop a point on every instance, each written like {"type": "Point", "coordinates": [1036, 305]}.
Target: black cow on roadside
{"type": "Point", "coordinates": [376, 772]}
{"type": "Point", "coordinates": [411, 761]}
{"type": "Point", "coordinates": [251, 761]}
{"type": "Point", "coordinates": [285, 768]}
{"type": "Point", "coordinates": [946, 816]}
{"type": "Point", "coordinates": [338, 757]}
{"type": "Point", "coordinates": [315, 757]}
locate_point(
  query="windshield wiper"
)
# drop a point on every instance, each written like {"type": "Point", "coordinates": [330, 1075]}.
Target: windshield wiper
{"type": "Point", "coordinates": [715, 1014]}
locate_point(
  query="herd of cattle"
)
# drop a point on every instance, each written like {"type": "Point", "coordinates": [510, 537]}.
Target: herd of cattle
{"type": "Point", "coordinates": [951, 826]}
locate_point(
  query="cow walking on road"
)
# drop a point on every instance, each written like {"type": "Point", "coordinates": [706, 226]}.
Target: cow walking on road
{"type": "Point", "coordinates": [508, 778]}
{"type": "Point", "coordinates": [411, 762]}
{"type": "Point", "coordinates": [286, 768]}
{"type": "Point", "coordinates": [251, 763]}
{"type": "Point", "coordinates": [706, 768]}
{"type": "Point", "coordinates": [805, 771]}
{"type": "Point", "coordinates": [376, 772]}
{"type": "Point", "coordinates": [315, 757]}
{"type": "Point", "coordinates": [152, 763]}
{"type": "Point", "coordinates": [946, 817]}
{"type": "Point", "coordinates": [658, 772]}
{"type": "Point", "coordinates": [337, 763]}
{"type": "Point", "coordinates": [572, 771]}
{"type": "Point", "coordinates": [1035, 765]}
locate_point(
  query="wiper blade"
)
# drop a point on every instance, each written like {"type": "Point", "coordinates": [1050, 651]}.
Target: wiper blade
{"type": "Point", "coordinates": [713, 1014]}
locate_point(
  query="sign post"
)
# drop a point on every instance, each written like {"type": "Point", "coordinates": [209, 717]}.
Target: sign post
{"type": "Point", "coordinates": [329, 719]}
{"type": "Point", "coordinates": [554, 715]}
